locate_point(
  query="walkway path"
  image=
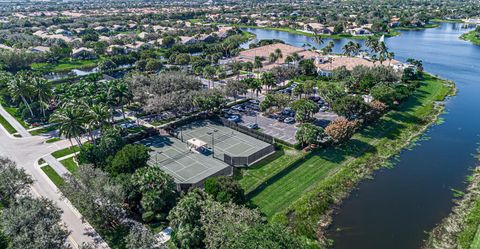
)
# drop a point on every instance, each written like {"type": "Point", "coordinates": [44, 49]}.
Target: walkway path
{"type": "Point", "coordinates": [21, 130]}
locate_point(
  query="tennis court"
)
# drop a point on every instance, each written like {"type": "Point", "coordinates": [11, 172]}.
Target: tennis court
{"type": "Point", "coordinates": [221, 139]}
{"type": "Point", "coordinates": [175, 158]}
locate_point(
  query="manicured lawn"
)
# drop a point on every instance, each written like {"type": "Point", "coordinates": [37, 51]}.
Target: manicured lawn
{"type": "Point", "coordinates": [306, 189]}
{"type": "Point", "coordinates": [66, 151]}
{"type": "Point", "coordinates": [50, 172]}
{"type": "Point", "coordinates": [7, 125]}
{"type": "Point", "coordinates": [53, 140]}
{"type": "Point", "coordinates": [70, 164]}
{"type": "Point", "coordinates": [64, 65]}
{"type": "Point", "coordinates": [252, 177]}
{"type": "Point", "coordinates": [43, 130]}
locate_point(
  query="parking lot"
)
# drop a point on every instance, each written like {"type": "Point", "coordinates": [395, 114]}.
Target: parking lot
{"type": "Point", "coordinates": [276, 125]}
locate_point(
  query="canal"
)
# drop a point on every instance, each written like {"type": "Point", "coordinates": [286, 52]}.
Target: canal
{"type": "Point", "coordinates": [399, 205]}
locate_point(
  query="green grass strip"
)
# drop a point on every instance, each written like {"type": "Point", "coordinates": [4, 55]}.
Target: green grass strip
{"type": "Point", "coordinates": [70, 164]}
{"type": "Point", "coordinates": [50, 172]}
{"type": "Point", "coordinates": [7, 125]}
{"type": "Point", "coordinates": [66, 151]}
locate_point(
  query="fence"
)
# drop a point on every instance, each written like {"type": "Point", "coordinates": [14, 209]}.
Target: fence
{"type": "Point", "coordinates": [248, 160]}
{"type": "Point", "coordinates": [251, 132]}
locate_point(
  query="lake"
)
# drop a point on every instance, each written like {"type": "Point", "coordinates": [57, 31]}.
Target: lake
{"type": "Point", "coordinates": [401, 204]}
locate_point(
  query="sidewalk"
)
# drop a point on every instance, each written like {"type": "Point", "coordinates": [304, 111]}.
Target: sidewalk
{"type": "Point", "coordinates": [20, 129]}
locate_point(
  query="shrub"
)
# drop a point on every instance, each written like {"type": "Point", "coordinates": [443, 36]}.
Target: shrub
{"type": "Point", "coordinates": [128, 159]}
{"type": "Point", "coordinates": [341, 130]}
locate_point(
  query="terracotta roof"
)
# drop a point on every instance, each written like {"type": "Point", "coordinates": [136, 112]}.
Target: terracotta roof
{"type": "Point", "coordinates": [265, 51]}
{"type": "Point", "coordinates": [349, 63]}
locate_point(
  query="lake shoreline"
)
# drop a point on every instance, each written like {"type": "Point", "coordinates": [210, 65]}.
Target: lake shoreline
{"type": "Point", "coordinates": [471, 37]}
{"type": "Point", "coordinates": [311, 215]}
{"type": "Point", "coordinates": [455, 230]}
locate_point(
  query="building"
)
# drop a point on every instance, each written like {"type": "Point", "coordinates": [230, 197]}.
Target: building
{"type": "Point", "coordinates": [187, 40]}
{"type": "Point", "coordinates": [326, 65]}
{"type": "Point", "coordinates": [264, 52]}
{"type": "Point", "coordinates": [83, 54]}
{"type": "Point", "coordinates": [39, 49]}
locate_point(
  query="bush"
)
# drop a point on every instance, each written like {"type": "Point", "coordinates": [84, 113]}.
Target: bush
{"type": "Point", "coordinates": [128, 159]}
{"type": "Point", "coordinates": [224, 189]}
{"type": "Point", "coordinates": [341, 130]}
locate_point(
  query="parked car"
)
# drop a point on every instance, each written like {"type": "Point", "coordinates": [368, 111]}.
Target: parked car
{"type": "Point", "coordinates": [323, 108]}
{"type": "Point", "coordinates": [288, 112]}
{"type": "Point", "coordinates": [252, 126]}
{"type": "Point", "coordinates": [234, 118]}
{"type": "Point", "coordinates": [289, 120]}
{"type": "Point", "coordinates": [239, 108]}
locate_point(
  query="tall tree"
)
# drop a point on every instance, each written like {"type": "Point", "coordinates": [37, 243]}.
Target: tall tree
{"type": "Point", "coordinates": [13, 181]}
{"type": "Point", "coordinates": [34, 223]}
{"type": "Point", "coordinates": [20, 88]}
{"type": "Point", "coordinates": [71, 120]}
{"type": "Point", "coordinates": [42, 89]}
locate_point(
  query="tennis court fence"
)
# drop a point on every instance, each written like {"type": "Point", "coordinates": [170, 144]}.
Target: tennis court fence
{"type": "Point", "coordinates": [251, 132]}
{"type": "Point", "coordinates": [244, 161]}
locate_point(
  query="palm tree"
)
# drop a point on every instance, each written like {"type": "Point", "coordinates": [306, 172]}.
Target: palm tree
{"type": "Point", "coordinates": [71, 120]}
{"type": "Point", "coordinates": [318, 38]}
{"type": "Point", "coordinates": [256, 86]}
{"type": "Point", "coordinates": [123, 94]}
{"type": "Point", "coordinates": [96, 118]}
{"type": "Point", "coordinates": [208, 73]}
{"type": "Point", "coordinates": [257, 62]}
{"type": "Point", "coordinates": [20, 88]}
{"type": "Point", "coordinates": [272, 57]}
{"type": "Point", "coordinates": [278, 53]}
{"type": "Point", "coordinates": [348, 48]}
{"type": "Point", "coordinates": [43, 90]}
{"type": "Point", "coordinates": [268, 80]}
{"type": "Point", "coordinates": [390, 56]}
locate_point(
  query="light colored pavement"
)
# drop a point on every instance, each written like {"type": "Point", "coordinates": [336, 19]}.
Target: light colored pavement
{"type": "Point", "coordinates": [21, 130]}
{"type": "Point", "coordinates": [26, 152]}
{"type": "Point", "coordinates": [56, 165]}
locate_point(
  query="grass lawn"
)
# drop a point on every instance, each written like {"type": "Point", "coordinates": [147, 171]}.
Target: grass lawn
{"type": "Point", "coordinates": [64, 65]}
{"type": "Point", "coordinates": [44, 130]}
{"type": "Point", "coordinates": [300, 32]}
{"type": "Point", "coordinates": [254, 176]}
{"type": "Point", "coordinates": [307, 189]}
{"type": "Point", "coordinates": [476, 240]}
{"type": "Point", "coordinates": [70, 164]}
{"type": "Point", "coordinates": [50, 172]}
{"type": "Point", "coordinates": [7, 125]}
{"type": "Point", "coordinates": [471, 37]}
{"type": "Point", "coordinates": [447, 20]}
{"type": "Point", "coordinates": [469, 237]}
{"type": "Point", "coordinates": [66, 151]}
{"type": "Point", "coordinates": [53, 140]}
{"type": "Point", "coordinates": [13, 112]}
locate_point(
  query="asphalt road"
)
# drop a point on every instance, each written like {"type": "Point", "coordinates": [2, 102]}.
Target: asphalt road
{"type": "Point", "coordinates": [26, 152]}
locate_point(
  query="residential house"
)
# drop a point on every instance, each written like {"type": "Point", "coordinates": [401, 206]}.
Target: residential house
{"type": "Point", "coordinates": [116, 49]}
{"type": "Point", "coordinates": [83, 54]}
{"type": "Point", "coordinates": [326, 65]}
{"type": "Point", "coordinates": [187, 40]}
{"type": "Point", "coordinates": [39, 49]}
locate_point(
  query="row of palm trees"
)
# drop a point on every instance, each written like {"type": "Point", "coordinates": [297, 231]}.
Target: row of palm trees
{"type": "Point", "coordinates": [88, 106]}
{"type": "Point", "coordinates": [28, 89]}
{"type": "Point", "coordinates": [75, 120]}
